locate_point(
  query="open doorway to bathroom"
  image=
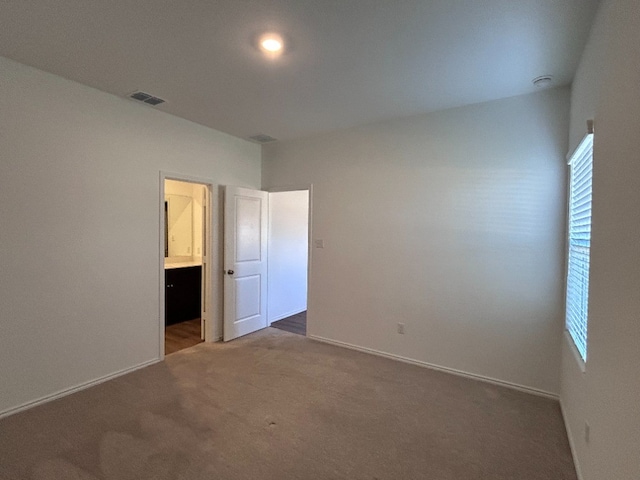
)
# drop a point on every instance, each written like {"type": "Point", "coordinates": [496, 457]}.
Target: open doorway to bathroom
{"type": "Point", "coordinates": [185, 264]}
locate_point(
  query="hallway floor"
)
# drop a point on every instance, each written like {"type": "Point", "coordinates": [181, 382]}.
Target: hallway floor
{"type": "Point", "coordinates": [294, 324]}
{"type": "Point", "coordinates": [181, 335]}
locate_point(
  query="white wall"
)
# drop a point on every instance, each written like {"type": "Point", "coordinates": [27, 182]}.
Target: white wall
{"type": "Point", "coordinates": [607, 394]}
{"type": "Point", "coordinates": [79, 243]}
{"type": "Point", "coordinates": [288, 253]}
{"type": "Point", "coordinates": [451, 223]}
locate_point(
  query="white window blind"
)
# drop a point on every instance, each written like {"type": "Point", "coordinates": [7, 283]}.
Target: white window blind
{"type": "Point", "coordinates": [579, 243]}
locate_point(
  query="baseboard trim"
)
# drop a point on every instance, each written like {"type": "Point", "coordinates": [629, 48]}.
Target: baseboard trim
{"type": "Point", "coordinates": [572, 445]}
{"type": "Point", "coordinates": [77, 388]}
{"type": "Point", "coordinates": [286, 315]}
{"type": "Point", "coordinates": [420, 363]}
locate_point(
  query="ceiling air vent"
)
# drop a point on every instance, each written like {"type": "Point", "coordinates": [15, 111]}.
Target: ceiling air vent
{"type": "Point", "coordinates": [262, 138]}
{"type": "Point", "coordinates": [146, 98]}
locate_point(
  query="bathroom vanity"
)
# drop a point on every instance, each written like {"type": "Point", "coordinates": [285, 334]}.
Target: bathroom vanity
{"type": "Point", "coordinates": [183, 295]}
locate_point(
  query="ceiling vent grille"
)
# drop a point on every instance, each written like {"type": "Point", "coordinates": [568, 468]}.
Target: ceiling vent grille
{"type": "Point", "coordinates": [146, 98]}
{"type": "Point", "coordinates": [262, 138]}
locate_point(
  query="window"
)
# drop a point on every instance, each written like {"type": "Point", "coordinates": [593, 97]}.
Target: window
{"type": "Point", "coordinates": [579, 243]}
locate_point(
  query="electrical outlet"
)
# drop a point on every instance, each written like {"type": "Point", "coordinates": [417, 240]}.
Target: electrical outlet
{"type": "Point", "coordinates": [587, 432]}
{"type": "Point", "coordinates": [401, 328]}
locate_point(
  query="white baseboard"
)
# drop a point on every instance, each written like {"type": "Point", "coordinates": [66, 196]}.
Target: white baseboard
{"type": "Point", "coordinates": [280, 317]}
{"type": "Point", "coordinates": [572, 445]}
{"type": "Point", "coordinates": [420, 363]}
{"type": "Point", "coordinates": [77, 388]}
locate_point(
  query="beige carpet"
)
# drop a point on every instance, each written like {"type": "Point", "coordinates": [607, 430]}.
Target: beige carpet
{"type": "Point", "coordinates": [275, 405]}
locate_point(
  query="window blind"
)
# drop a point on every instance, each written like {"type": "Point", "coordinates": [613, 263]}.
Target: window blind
{"type": "Point", "coordinates": [579, 243]}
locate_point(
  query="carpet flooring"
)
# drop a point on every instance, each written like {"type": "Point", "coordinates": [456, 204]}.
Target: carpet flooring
{"type": "Point", "coordinates": [274, 405]}
{"type": "Point", "coordinates": [295, 323]}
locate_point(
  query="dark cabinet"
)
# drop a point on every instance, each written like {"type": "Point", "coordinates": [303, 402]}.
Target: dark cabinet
{"type": "Point", "coordinates": [182, 294]}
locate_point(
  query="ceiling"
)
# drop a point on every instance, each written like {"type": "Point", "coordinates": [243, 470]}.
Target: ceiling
{"type": "Point", "coordinates": [348, 62]}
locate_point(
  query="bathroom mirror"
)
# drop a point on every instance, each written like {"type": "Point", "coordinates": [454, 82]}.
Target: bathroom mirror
{"type": "Point", "coordinates": [178, 226]}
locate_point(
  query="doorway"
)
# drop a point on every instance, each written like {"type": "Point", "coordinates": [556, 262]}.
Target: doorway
{"type": "Point", "coordinates": [266, 257]}
{"type": "Point", "coordinates": [288, 253]}
{"type": "Point", "coordinates": [186, 220]}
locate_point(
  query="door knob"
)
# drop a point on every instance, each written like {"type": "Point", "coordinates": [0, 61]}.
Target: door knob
{"type": "Point", "coordinates": [230, 272]}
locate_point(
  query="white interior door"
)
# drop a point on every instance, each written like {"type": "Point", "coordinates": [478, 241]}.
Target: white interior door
{"type": "Point", "coordinates": [245, 261]}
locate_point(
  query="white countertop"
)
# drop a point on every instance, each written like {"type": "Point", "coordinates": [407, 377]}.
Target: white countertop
{"type": "Point", "coordinates": [168, 265]}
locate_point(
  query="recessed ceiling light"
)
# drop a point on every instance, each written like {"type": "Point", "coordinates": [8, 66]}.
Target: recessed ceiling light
{"type": "Point", "coordinates": [271, 44]}
{"type": "Point", "coordinates": [543, 81]}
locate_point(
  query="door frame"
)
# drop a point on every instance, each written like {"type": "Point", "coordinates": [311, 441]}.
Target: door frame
{"type": "Point", "coordinates": [211, 281]}
{"type": "Point", "coordinates": [294, 188]}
